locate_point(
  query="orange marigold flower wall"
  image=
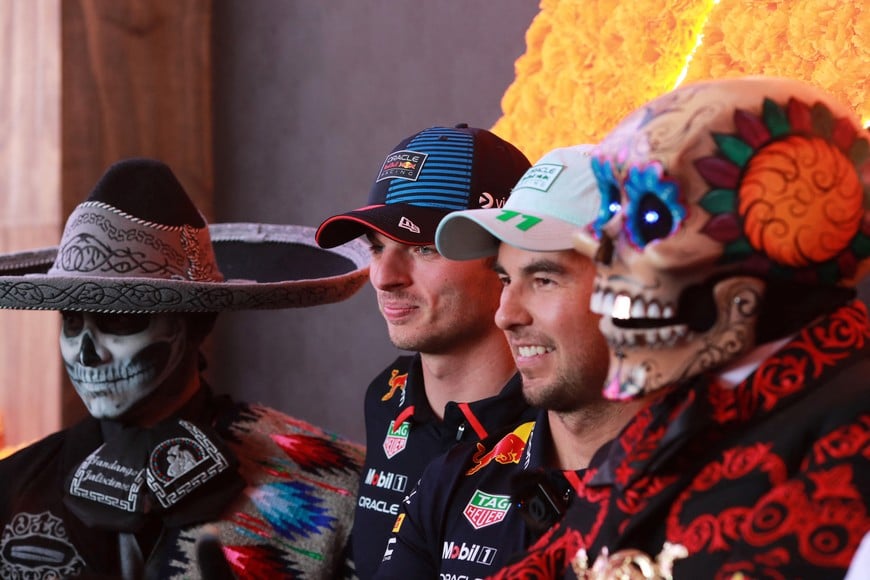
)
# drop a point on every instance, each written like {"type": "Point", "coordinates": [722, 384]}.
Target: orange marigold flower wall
{"type": "Point", "coordinates": [588, 63]}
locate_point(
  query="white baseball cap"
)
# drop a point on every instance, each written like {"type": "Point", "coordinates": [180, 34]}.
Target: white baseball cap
{"type": "Point", "coordinates": [554, 198]}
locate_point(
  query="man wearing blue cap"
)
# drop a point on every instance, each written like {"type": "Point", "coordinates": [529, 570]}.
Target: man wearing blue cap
{"type": "Point", "coordinates": [461, 385]}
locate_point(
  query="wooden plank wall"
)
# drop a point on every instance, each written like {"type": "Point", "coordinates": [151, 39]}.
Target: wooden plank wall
{"type": "Point", "coordinates": [30, 215]}
{"type": "Point", "coordinates": [84, 83]}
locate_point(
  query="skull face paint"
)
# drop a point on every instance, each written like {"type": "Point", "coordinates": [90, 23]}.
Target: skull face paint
{"type": "Point", "coordinates": [707, 193]}
{"type": "Point", "coordinates": [116, 360]}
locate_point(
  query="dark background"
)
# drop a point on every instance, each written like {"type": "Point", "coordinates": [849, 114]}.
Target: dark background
{"type": "Point", "coordinates": [309, 98]}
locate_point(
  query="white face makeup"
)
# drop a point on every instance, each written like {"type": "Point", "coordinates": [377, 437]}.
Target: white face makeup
{"type": "Point", "coordinates": [116, 360]}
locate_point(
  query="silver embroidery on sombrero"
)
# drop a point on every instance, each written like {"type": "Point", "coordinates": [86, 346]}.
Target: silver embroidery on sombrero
{"type": "Point", "coordinates": [104, 241]}
{"type": "Point", "coordinates": [198, 265]}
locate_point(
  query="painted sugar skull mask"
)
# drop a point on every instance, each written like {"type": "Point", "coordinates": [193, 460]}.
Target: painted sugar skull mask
{"type": "Point", "coordinates": [709, 192]}
{"type": "Point", "coordinates": [117, 360]}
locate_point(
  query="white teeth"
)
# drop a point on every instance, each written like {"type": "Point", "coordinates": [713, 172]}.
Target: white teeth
{"type": "Point", "coordinates": [607, 304]}
{"type": "Point", "coordinates": [621, 307]}
{"type": "Point", "coordinates": [653, 338]}
{"type": "Point", "coordinates": [637, 309]}
{"type": "Point", "coordinates": [595, 302]}
{"type": "Point", "coordinates": [624, 307]}
{"type": "Point", "coordinates": [666, 333]}
{"type": "Point", "coordinates": [532, 350]}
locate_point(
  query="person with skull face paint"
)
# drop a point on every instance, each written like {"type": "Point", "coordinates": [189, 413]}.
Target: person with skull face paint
{"type": "Point", "coordinates": [166, 479]}
{"type": "Point", "coordinates": [732, 232]}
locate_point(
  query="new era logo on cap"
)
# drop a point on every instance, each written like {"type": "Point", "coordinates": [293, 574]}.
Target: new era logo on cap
{"type": "Point", "coordinates": [409, 225]}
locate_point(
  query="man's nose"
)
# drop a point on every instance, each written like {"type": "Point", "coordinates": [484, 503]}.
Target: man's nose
{"type": "Point", "coordinates": [88, 355]}
{"type": "Point", "coordinates": [390, 271]}
{"type": "Point", "coordinates": [511, 311]}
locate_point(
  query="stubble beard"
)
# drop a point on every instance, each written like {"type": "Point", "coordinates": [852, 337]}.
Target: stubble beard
{"type": "Point", "coordinates": [567, 392]}
{"type": "Point", "coordinates": [426, 340]}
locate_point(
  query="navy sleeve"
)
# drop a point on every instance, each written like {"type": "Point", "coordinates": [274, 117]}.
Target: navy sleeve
{"type": "Point", "coordinates": [413, 549]}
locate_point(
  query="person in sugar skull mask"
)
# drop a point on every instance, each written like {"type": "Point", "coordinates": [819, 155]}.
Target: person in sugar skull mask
{"type": "Point", "coordinates": [166, 479]}
{"type": "Point", "coordinates": [115, 361]}
{"type": "Point", "coordinates": [732, 232]}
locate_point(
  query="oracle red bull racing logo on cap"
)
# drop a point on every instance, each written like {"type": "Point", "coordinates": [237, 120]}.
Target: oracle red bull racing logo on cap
{"type": "Point", "coordinates": [397, 438]}
{"type": "Point", "coordinates": [485, 509]}
{"type": "Point", "coordinates": [404, 164]}
{"type": "Point", "coordinates": [509, 449]}
{"type": "Point", "coordinates": [540, 177]}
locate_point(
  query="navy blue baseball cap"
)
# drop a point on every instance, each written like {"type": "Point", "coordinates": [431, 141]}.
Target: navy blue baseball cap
{"type": "Point", "coordinates": [428, 175]}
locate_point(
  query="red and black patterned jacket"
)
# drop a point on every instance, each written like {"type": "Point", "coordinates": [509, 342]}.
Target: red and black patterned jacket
{"type": "Point", "coordinates": [767, 479]}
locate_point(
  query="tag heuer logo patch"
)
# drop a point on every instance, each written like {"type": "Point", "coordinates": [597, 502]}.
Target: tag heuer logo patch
{"type": "Point", "coordinates": [409, 225]}
{"type": "Point", "coordinates": [403, 164]}
{"type": "Point", "coordinates": [486, 509]}
{"type": "Point", "coordinates": [396, 439]}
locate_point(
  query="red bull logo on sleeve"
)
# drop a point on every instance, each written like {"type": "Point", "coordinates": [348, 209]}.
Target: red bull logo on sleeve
{"type": "Point", "coordinates": [509, 449]}
{"type": "Point", "coordinates": [486, 509]}
{"type": "Point", "coordinates": [397, 438]}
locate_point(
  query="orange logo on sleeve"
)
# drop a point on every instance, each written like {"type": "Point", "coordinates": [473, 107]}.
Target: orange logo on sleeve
{"type": "Point", "coordinates": [396, 381]}
{"type": "Point", "coordinates": [398, 524]}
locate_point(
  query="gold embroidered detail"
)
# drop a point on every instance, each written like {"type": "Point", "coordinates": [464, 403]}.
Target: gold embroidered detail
{"type": "Point", "coordinates": [629, 564]}
{"type": "Point", "coordinates": [198, 266]}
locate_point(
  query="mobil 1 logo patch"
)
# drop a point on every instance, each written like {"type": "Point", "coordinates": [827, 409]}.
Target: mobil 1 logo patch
{"type": "Point", "coordinates": [486, 509]}
{"type": "Point", "coordinates": [468, 552]}
{"type": "Point", "coordinates": [385, 479]}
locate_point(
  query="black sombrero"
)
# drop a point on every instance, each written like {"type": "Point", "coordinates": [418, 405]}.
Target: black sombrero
{"type": "Point", "coordinates": [138, 244]}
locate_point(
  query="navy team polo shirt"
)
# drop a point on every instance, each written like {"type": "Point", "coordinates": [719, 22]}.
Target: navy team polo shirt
{"type": "Point", "coordinates": [462, 520]}
{"type": "Point", "coordinates": [403, 435]}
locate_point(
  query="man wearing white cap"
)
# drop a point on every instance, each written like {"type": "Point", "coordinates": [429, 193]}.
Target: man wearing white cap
{"type": "Point", "coordinates": [480, 503]}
